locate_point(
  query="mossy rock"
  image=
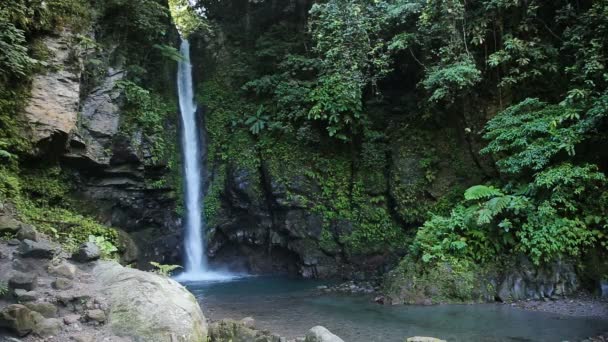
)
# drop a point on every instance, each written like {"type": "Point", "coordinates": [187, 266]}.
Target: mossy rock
{"type": "Point", "coordinates": [454, 281]}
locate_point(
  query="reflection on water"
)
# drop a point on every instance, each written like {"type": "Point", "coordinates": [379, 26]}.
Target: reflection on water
{"type": "Point", "coordinates": [290, 307]}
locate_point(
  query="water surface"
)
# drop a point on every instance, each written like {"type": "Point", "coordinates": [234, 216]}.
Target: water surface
{"type": "Point", "coordinates": [290, 307]}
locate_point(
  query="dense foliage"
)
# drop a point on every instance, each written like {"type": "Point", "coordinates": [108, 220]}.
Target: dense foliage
{"type": "Point", "coordinates": [525, 83]}
{"type": "Point", "coordinates": [134, 35]}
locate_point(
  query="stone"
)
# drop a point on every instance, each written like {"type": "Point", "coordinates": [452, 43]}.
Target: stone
{"type": "Point", "coordinates": [28, 232]}
{"type": "Point", "coordinates": [134, 299]}
{"type": "Point", "coordinates": [13, 242]}
{"type": "Point", "coordinates": [604, 288]}
{"type": "Point", "coordinates": [64, 269]}
{"type": "Point", "coordinates": [8, 225]}
{"type": "Point", "coordinates": [46, 309]}
{"type": "Point", "coordinates": [88, 251]}
{"type": "Point", "coordinates": [17, 318]}
{"type": "Point", "coordinates": [96, 315]}
{"type": "Point", "coordinates": [249, 322]}
{"type": "Point", "coordinates": [230, 330]}
{"type": "Point", "coordinates": [82, 338]}
{"type": "Point", "coordinates": [62, 284]}
{"type": "Point", "coordinates": [321, 334]}
{"type": "Point", "coordinates": [423, 339]}
{"type": "Point", "coordinates": [71, 319]}
{"type": "Point", "coordinates": [36, 249]}
{"type": "Point", "coordinates": [46, 326]}
{"type": "Point", "coordinates": [25, 296]}
{"type": "Point", "coordinates": [23, 281]}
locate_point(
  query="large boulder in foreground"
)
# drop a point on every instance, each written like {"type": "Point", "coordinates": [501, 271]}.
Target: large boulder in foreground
{"type": "Point", "coordinates": [148, 307]}
{"type": "Point", "coordinates": [321, 334]}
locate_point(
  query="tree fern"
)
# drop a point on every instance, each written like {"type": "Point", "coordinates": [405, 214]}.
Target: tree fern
{"type": "Point", "coordinates": [479, 192]}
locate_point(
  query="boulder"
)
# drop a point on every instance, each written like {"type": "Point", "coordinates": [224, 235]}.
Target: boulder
{"type": "Point", "coordinates": [88, 251]}
{"type": "Point", "coordinates": [36, 249]}
{"type": "Point", "coordinates": [17, 318]}
{"type": "Point", "coordinates": [46, 309]}
{"type": "Point", "coordinates": [135, 300]}
{"type": "Point", "coordinates": [64, 269]}
{"type": "Point", "coordinates": [28, 232]}
{"type": "Point", "coordinates": [71, 319]}
{"type": "Point", "coordinates": [25, 296]}
{"type": "Point", "coordinates": [23, 281]}
{"type": "Point", "coordinates": [423, 339]}
{"type": "Point", "coordinates": [96, 315]}
{"type": "Point", "coordinates": [9, 225]}
{"type": "Point", "coordinates": [230, 330]}
{"type": "Point", "coordinates": [46, 326]}
{"type": "Point", "coordinates": [249, 322]}
{"type": "Point", "coordinates": [62, 284]}
{"type": "Point", "coordinates": [321, 334]}
{"type": "Point", "coordinates": [82, 338]}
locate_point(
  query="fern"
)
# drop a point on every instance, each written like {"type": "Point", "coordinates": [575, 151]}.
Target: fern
{"type": "Point", "coordinates": [479, 192]}
{"type": "Point", "coordinates": [164, 270]}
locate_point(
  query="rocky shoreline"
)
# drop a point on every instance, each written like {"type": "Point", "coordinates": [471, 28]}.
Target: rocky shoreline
{"type": "Point", "coordinates": [51, 295]}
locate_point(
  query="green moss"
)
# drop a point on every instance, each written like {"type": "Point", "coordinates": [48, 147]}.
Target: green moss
{"type": "Point", "coordinates": [451, 281]}
{"type": "Point", "coordinates": [41, 197]}
{"type": "Point", "coordinates": [212, 198]}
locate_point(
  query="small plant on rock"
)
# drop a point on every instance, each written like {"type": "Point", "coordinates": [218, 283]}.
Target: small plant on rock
{"type": "Point", "coordinates": [106, 247]}
{"type": "Point", "coordinates": [164, 270]}
{"type": "Point", "coordinates": [3, 288]}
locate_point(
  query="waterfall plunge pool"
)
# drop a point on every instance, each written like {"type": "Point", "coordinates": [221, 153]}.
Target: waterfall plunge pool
{"type": "Point", "coordinates": [289, 307]}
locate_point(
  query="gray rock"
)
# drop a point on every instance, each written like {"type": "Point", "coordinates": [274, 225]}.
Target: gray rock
{"type": "Point", "coordinates": [46, 309]}
{"type": "Point", "coordinates": [321, 334]}
{"type": "Point", "coordinates": [82, 338]}
{"type": "Point", "coordinates": [23, 281]}
{"type": "Point", "coordinates": [64, 269]}
{"type": "Point", "coordinates": [17, 318]}
{"type": "Point", "coordinates": [8, 225]}
{"type": "Point", "coordinates": [62, 284]}
{"type": "Point", "coordinates": [135, 297]}
{"type": "Point", "coordinates": [36, 249]}
{"type": "Point", "coordinates": [249, 322]}
{"type": "Point", "coordinates": [71, 319]}
{"type": "Point", "coordinates": [25, 296]}
{"type": "Point", "coordinates": [423, 339]}
{"type": "Point", "coordinates": [96, 315]}
{"type": "Point", "coordinates": [88, 251]}
{"type": "Point", "coordinates": [13, 242]}
{"type": "Point", "coordinates": [46, 326]}
{"type": "Point", "coordinates": [28, 232]}
{"type": "Point", "coordinates": [52, 111]}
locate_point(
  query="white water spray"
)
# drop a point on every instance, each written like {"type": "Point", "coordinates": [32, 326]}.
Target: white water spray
{"type": "Point", "coordinates": [194, 241]}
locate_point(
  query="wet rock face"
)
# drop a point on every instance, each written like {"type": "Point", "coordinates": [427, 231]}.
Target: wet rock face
{"type": "Point", "coordinates": [100, 118]}
{"type": "Point", "coordinates": [557, 279]}
{"type": "Point", "coordinates": [463, 282]}
{"type": "Point", "coordinates": [52, 113]}
{"type": "Point", "coordinates": [111, 169]}
{"type": "Point", "coordinates": [262, 230]}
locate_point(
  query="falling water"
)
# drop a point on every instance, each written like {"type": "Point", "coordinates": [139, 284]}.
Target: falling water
{"type": "Point", "coordinates": [194, 242]}
{"type": "Point", "coordinates": [191, 147]}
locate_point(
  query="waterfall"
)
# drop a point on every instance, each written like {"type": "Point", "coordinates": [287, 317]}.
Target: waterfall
{"type": "Point", "coordinates": [194, 224]}
{"type": "Point", "coordinates": [195, 260]}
